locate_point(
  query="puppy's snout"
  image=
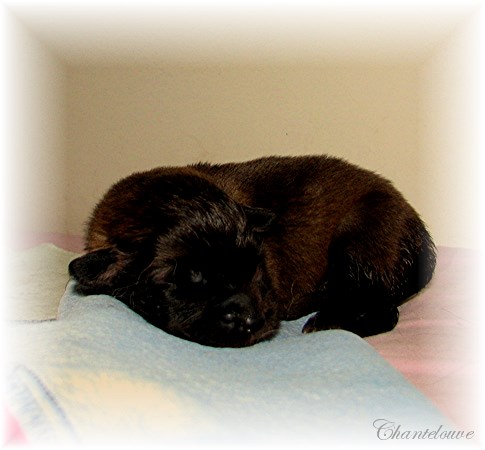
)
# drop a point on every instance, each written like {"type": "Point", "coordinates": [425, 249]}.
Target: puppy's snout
{"type": "Point", "coordinates": [239, 315]}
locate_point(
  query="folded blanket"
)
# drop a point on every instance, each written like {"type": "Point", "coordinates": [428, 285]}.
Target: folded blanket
{"type": "Point", "coordinates": [37, 279]}
{"type": "Point", "coordinates": [100, 373]}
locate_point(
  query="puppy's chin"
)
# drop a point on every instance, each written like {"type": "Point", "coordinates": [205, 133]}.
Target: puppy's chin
{"type": "Point", "coordinates": [221, 339]}
{"type": "Point", "coordinates": [235, 343]}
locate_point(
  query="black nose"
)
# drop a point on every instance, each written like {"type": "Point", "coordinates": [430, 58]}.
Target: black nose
{"type": "Point", "coordinates": [239, 315]}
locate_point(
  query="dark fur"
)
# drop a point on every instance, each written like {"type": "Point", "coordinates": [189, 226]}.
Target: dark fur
{"type": "Point", "coordinates": [220, 254]}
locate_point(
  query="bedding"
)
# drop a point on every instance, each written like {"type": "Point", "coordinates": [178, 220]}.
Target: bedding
{"type": "Point", "coordinates": [436, 342]}
{"type": "Point", "coordinates": [95, 371]}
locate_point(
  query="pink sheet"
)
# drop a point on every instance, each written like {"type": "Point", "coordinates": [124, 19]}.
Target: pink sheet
{"type": "Point", "coordinates": [14, 436]}
{"type": "Point", "coordinates": [65, 241]}
{"type": "Point", "coordinates": [435, 342]}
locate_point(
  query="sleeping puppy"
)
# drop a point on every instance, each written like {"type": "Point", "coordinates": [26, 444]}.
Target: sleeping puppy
{"type": "Point", "coordinates": [220, 254]}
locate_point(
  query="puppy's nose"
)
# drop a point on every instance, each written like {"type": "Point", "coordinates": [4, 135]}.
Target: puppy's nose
{"type": "Point", "coordinates": [239, 315]}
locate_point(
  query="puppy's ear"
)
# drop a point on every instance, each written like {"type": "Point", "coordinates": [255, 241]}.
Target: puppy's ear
{"type": "Point", "coordinates": [97, 270]}
{"type": "Point", "coordinates": [259, 219]}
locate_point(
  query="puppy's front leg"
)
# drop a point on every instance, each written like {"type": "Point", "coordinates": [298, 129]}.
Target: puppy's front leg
{"type": "Point", "coordinates": [366, 323]}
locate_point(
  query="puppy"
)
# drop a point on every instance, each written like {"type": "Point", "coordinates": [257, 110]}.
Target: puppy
{"type": "Point", "coordinates": [220, 254]}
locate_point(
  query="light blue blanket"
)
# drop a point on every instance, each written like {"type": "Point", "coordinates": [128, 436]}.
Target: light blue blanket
{"type": "Point", "coordinates": [100, 373]}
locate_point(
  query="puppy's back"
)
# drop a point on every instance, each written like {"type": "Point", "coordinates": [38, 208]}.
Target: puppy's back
{"type": "Point", "coordinates": [331, 213]}
{"type": "Point", "coordinates": [278, 182]}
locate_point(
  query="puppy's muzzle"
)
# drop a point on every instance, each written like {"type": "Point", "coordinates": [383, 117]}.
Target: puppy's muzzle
{"type": "Point", "coordinates": [238, 316]}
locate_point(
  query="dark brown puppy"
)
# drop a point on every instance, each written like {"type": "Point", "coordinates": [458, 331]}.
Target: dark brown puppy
{"type": "Point", "coordinates": [220, 254]}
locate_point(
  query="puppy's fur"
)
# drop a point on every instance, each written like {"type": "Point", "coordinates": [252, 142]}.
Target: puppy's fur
{"type": "Point", "coordinates": [220, 254]}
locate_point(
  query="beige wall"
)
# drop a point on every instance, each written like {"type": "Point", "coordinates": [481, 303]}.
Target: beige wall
{"type": "Point", "coordinates": [129, 119]}
{"type": "Point", "coordinates": [36, 125]}
{"type": "Point", "coordinates": [451, 162]}
{"type": "Point", "coordinates": [77, 129]}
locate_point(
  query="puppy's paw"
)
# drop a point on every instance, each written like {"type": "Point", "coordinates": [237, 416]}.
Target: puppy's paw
{"type": "Point", "coordinates": [318, 322]}
{"type": "Point", "coordinates": [310, 325]}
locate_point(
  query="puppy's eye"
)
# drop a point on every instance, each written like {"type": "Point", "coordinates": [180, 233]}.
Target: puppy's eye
{"type": "Point", "coordinates": [196, 276]}
{"type": "Point", "coordinates": [231, 286]}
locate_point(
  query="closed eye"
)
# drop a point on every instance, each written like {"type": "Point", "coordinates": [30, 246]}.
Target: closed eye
{"type": "Point", "coordinates": [196, 277]}
{"type": "Point", "coordinates": [231, 286]}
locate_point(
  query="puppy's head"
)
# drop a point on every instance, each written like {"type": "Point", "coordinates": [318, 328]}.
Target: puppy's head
{"type": "Point", "coordinates": [188, 261]}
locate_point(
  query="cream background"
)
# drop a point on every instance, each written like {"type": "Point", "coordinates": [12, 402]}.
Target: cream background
{"type": "Point", "coordinates": [89, 103]}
